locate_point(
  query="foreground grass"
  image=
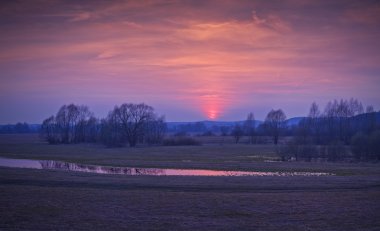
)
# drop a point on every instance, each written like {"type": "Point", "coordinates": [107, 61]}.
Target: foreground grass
{"type": "Point", "coordinates": [56, 200]}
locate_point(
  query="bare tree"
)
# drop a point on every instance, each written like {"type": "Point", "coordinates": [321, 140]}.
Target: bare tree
{"type": "Point", "coordinates": [21, 128]}
{"type": "Point", "coordinates": [370, 120]}
{"type": "Point", "coordinates": [92, 129]}
{"type": "Point", "coordinates": [66, 119]}
{"type": "Point", "coordinates": [338, 115]}
{"type": "Point", "coordinates": [49, 130]}
{"type": "Point", "coordinates": [275, 123]}
{"type": "Point", "coordinates": [71, 124]}
{"type": "Point", "coordinates": [111, 132]}
{"type": "Point", "coordinates": [314, 111]}
{"type": "Point", "coordinates": [313, 122]}
{"type": "Point", "coordinates": [355, 107]}
{"type": "Point", "coordinates": [224, 130]}
{"type": "Point", "coordinates": [329, 120]}
{"type": "Point", "coordinates": [249, 127]}
{"type": "Point", "coordinates": [369, 109]}
{"type": "Point", "coordinates": [132, 120]}
{"type": "Point", "coordinates": [374, 145]}
{"type": "Point", "coordinates": [237, 132]}
{"type": "Point", "coordinates": [82, 123]}
{"type": "Point", "coordinates": [154, 130]}
{"type": "Point", "coordinates": [360, 146]}
{"type": "Point", "coordinates": [63, 123]}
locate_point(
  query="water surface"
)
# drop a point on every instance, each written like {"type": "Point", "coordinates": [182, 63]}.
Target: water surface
{"type": "Point", "coordinates": [60, 165]}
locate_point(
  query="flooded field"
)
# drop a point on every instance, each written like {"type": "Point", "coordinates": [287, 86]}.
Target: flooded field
{"type": "Point", "coordinates": [60, 165]}
{"type": "Point", "coordinates": [126, 188]}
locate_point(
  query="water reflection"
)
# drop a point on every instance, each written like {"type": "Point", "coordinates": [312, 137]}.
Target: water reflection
{"type": "Point", "coordinates": [51, 164]}
{"type": "Point", "coordinates": [60, 165]}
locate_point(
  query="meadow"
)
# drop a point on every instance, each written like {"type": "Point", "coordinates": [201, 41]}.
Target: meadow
{"type": "Point", "coordinates": [59, 200]}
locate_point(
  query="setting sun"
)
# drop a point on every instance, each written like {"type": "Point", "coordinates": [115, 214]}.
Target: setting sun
{"type": "Point", "coordinates": [212, 114]}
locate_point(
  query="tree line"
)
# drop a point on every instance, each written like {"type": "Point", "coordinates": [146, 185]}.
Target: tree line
{"type": "Point", "coordinates": [18, 128]}
{"type": "Point", "coordinates": [125, 124]}
{"type": "Point", "coordinates": [274, 126]}
{"type": "Point", "coordinates": [342, 124]}
{"type": "Point", "coordinates": [328, 134]}
{"type": "Point", "coordinates": [341, 128]}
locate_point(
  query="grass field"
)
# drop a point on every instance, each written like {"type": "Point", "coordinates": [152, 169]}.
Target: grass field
{"type": "Point", "coordinates": [57, 200]}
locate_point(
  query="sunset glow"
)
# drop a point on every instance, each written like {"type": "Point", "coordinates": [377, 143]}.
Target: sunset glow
{"type": "Point", "coordinates": [191, 60]}
{"type": "Point", "coordinates": [212, 114]}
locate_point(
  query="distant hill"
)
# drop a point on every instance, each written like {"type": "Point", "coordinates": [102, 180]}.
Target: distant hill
{"type": "Point", "coordinates": [19, 128]}
{"type": "Point", "coordinates": [210, 123]}
{"type": "Point", "coordinates": [197, 126]}
{"type": "Point", "coordinates": [203, 126]}
{"type": "Point", "coordinates": [294, 121]}
{"type": "Point", "coordinates": [215, 126]}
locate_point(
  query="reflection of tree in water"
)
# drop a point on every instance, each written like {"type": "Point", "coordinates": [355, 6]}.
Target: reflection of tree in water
{"type": "Point", "coordinates": [132, 171]}
{"type": "Point", "coordinates": [111, 170]}
{"type": "Point", "coordinates": [149, 171]}
{"type": "Point", "coordinates": [51, 164]}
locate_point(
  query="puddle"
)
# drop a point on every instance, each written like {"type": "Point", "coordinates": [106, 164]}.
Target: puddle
{"type": "Point", "coordinates": [60, 165]}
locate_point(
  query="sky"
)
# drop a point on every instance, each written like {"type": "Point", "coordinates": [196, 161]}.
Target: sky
{"type": "Point", "coordinates": [190, 60]}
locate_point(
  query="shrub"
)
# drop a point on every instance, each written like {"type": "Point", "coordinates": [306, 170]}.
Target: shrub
{"type": "Point", "coordinates": [307, 152]}
{"type": "Point", "coordinates": [300, 151]}
{"type": "Point", "coordinates": [208, 133]}
{"type": "Point", "coordinates": [336, 151]}
{"type": "Point", "coordinates": [180, 141]}
{"type": "Point", "coordinates": [359, 146]}
{"type": "Point", "coordinates": [374, 145]}
{"type": "Point", "coordinates": [366, 147]}
{"type": "Point", "coordinates": [180, 133]}
{"type": "Point", "coordinates": [288, 151]}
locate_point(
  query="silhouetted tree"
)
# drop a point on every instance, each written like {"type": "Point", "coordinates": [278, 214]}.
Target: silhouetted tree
{"type": "Point", "coordinates": [374, 145]}
{"type": "Point", "coordinates": [83, 120]}
{"type": "Point", "coordinates": [92, 130]}
{"type": "Point", "coordinates": [72, 123]}
{"type": "Point", "coordinates": [360, 146]}
{"type": "Point", "coordinates": [237, 133]}
{"type": "Point", "coordinates": [111, 132]}
{"type": "Point", "coordinates": [224, 130]}
{"type": "Point", "coordinates": [337, 116]}
{"type": "Point", "coordinates": [131, 123]}
{"type": "Point", "coordinates": [370, 120]}
{"type": "Point", "coordinates": [154, 130]}
{"type": "Point", "coordinates": [313, 122]}
{"type": "Point", "coordinates": [133, 118]}
{"type": "Point", "coordinates": [49, 131]}
{"type": "Point", "coordinates": [67, 119]}
{"type": "Point", "coordinates": [21, 128]}
{"type": "Point", "coordinates": [249, 127]}
{"type": "Point", "coordinates": [275, 123]}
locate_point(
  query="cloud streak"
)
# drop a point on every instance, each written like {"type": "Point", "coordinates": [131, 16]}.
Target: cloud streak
{"type": "Point", "coordinates": [195, 59]}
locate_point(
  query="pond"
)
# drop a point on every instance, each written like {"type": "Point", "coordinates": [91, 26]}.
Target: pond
{"type": "Point", "coordinates": [60, 165]}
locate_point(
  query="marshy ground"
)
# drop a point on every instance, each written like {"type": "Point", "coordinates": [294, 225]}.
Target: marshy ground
{"type": "Point", "coordinates": [59, 200]}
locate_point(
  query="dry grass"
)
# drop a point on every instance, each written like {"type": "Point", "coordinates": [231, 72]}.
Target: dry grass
{"type": "Point", "coordinates": [57, 200]}
{"type": "Point", "coordinates": [46, 200]}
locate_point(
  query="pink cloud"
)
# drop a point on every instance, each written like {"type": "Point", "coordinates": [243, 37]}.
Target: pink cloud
{"type": "Point", "coordinates": [210, 58]}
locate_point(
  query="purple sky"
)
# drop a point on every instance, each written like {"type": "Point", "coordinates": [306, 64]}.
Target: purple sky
{"type": "Point", "coordinates": [191, 60]}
